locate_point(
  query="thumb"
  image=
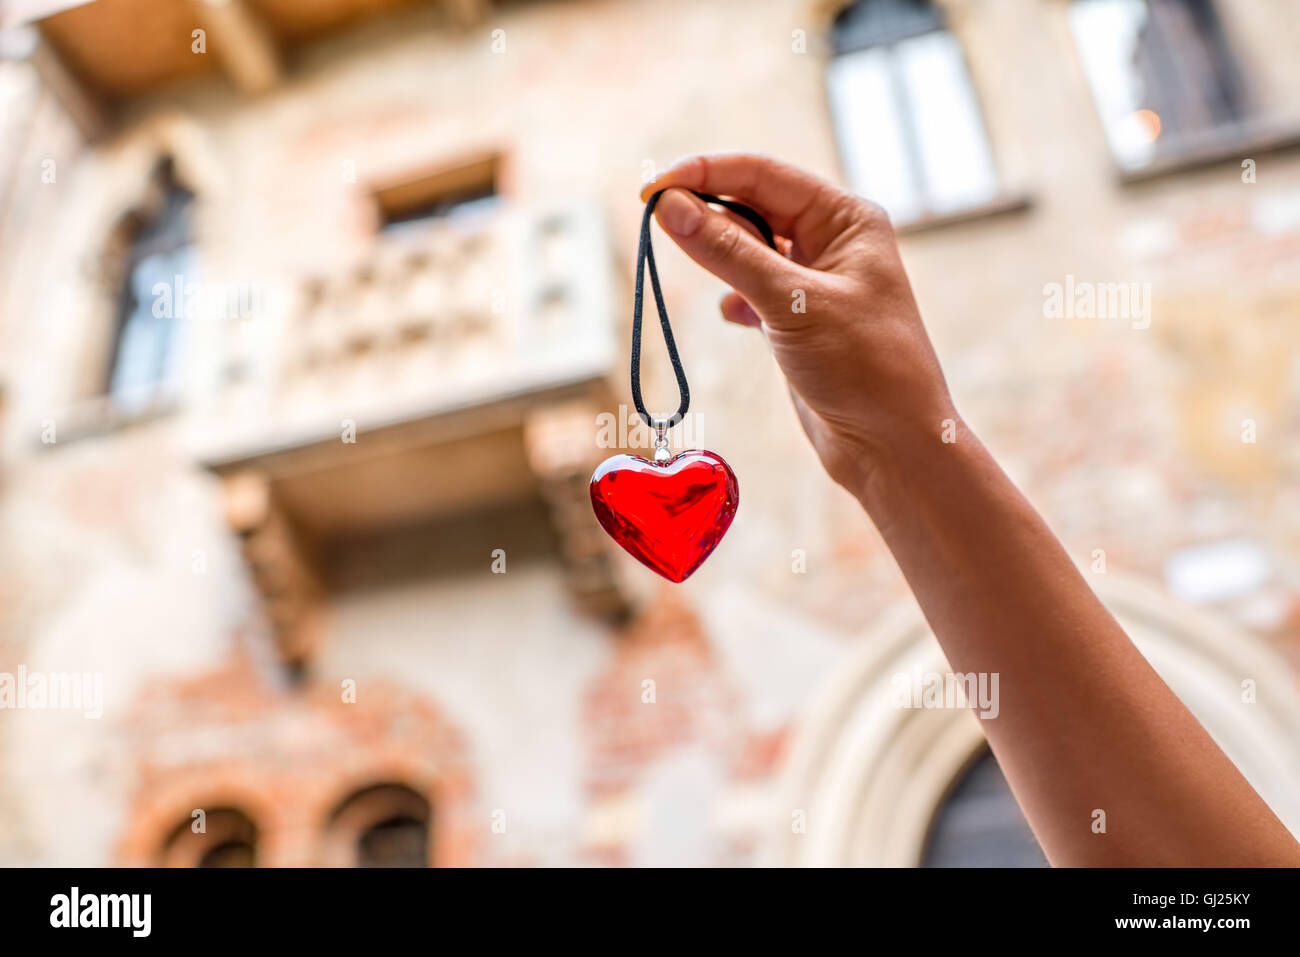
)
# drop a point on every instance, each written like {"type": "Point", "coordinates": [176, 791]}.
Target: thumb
{"type": "Point", "coordinates": [718, 243]}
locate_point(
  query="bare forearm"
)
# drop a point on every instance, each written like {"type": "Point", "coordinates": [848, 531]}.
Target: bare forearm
{"type": "Point", "coordinates": [1084, 722]}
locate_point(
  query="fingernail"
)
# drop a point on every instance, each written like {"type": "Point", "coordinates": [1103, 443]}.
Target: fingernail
{"type": "Point", "coordinates": [679, 212]}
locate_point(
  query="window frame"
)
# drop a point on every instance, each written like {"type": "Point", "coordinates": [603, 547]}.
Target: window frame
{"type": "Point", "coordinates": [1001, 200]}
{"type": "Point", "coordinates": [164, 391]}
{"type": "Point", "coordinates": [1256, 134]}
{"type": "Point", "coordinates": [410, 200]}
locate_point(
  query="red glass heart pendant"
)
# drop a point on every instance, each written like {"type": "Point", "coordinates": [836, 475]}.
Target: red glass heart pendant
{"type": "Point", "coordinates": [670, 515]}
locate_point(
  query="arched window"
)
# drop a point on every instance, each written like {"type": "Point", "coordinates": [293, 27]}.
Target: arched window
{"type": "Point", "coordinates": [158, 286]}
{"type": "Point", "coordinates": [979, 824]}
{"type": "Point", "coordinates": [384, 825]}
{"type": "Point", "coordinates": [910, 132]}
{"type": "Point", "coordinates": [221, 837]}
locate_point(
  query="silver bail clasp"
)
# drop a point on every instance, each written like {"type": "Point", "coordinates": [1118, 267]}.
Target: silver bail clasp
{"type": "Point", "coordinates": [662, 455]}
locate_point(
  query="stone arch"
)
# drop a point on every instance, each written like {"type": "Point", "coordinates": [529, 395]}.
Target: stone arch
{"type": "Point", "coordinates": [869, 777]}
{"type": "Point", "coordinates": [165, 815]}
{"type": "Point", "coordinates": [288, 759]}
{"type": "Point", "coordinates": [228, 838]}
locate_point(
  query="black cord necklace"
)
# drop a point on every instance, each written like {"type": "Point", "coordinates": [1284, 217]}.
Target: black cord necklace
{"type": "Point", "coordinates": [645, 256]}
{"type": "Point", "coordinates": [669, 513]}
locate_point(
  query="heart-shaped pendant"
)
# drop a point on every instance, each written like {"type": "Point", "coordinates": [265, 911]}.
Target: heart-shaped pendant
{"type": "Point", "coordinates": [669, 515]}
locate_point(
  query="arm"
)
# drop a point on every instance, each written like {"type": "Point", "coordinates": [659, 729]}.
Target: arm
{"type": "Point", "coordinates": [1085, 722]}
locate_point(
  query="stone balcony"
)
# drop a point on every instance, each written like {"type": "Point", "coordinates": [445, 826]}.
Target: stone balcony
{"type": "Point", "coordinates": [433, 320]}
{"type": "Point", "coordinates": [456, 370]}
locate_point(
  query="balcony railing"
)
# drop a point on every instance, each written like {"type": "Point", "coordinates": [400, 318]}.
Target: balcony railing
{"type": "Point", "coordinates": [435, 319]}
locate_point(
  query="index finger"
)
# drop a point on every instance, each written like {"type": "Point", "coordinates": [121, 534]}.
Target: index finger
{"type": "Point", "coordinates": [792, 201]}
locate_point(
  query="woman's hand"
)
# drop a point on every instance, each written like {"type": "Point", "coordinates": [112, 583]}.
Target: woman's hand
{"type": "Point", "coordinates": [837, 309]}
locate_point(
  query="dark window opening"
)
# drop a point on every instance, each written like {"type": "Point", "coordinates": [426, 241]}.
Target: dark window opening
{"type": "Point", "coordinates": [395, 842]}
{"type": "Point", "coordinates": [229, 854]}
{"type": "Point", "coordinates": [462, 194]}
{"type": "Point", "coordinates": [980, 824]}
{"type": "Point", "coordinates": [872, 22]}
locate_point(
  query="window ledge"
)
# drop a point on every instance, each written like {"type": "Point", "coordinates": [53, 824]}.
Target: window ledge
{"type": "Point", "coordinates": [97, 417]}
{"type": "Point", "coordinates": [1010, 202]}
{"type": "Point", "coordinates": [1252, 141]}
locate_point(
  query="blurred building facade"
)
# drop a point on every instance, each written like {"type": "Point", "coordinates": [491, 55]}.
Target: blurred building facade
{"type": "Point", "coordinates": [316, 323]}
